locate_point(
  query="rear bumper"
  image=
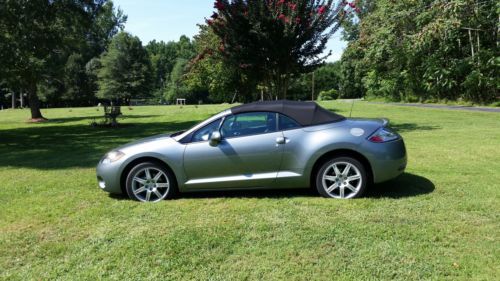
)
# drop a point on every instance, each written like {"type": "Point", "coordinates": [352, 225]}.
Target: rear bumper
{"type": "Point", "coordinates": [388, 160]}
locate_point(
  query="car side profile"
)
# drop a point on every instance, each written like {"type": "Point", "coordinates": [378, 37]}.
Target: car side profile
{"type": "Point", "coordinates": [261, 145]}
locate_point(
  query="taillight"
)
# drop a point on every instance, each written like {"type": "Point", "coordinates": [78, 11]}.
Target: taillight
{"type": "Point", "coordinates": [383, 135]}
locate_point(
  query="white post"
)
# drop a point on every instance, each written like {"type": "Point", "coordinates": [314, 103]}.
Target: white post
{"type": "Point", "coordinates": [471, 43]}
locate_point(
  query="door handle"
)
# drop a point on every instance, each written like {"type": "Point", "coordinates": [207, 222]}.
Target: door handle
{"type": "Point", "coordinates": [280, 140]}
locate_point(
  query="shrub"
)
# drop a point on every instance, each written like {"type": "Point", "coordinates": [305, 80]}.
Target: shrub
{"type": "Point", "coordinates": [328, 95]}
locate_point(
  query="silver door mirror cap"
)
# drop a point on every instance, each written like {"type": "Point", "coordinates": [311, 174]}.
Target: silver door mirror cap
{"type": "Point", "coordinates": [215, 138]}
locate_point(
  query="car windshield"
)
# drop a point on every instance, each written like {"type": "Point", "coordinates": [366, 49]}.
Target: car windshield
{"type": "Point", "coordinates": [185, 133]}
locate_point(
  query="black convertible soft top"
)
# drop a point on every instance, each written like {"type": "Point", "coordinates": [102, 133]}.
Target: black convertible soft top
{"type": "Point", "coordinates": [305, 113]}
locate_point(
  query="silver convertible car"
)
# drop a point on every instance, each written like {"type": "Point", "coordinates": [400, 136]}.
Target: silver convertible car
{"type": "Point", "coordinates": [271, 144]}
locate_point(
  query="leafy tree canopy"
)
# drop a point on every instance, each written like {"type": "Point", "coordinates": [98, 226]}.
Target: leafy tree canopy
{"type": "Point", "coordinates": [211, 73]}
{"type": "Point", "coordinates": [125, 70]}
{"type": "Point", "coordinates": [424, 50]}
{"type": "Point", "coordinates": [275, 40]}
{"type": "Point", "coordinates": [38, 36]}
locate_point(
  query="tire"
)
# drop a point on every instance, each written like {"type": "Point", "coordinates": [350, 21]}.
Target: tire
{"type": "Point", "coordinates": [150, 182]}
{"type": "Point", "coordinates": [332, 185]}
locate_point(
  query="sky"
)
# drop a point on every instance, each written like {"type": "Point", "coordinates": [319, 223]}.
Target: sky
{"type": "Point", "coordinates": [167, 20]}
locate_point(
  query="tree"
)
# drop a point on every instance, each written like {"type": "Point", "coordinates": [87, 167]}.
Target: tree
{"type": "Point", "coordinates": [37, 36]}
{"type": "Point", "coordinates": [275, 40]}
{"type": "Point", "coordinates": [175, 87]}
{"type": "Point", "coordinates": [326, 78]}
{"type": "Point", "coordinates": [424, 50]}
{"type": "Point", "coordinates": [209, 72]}
{"type": "Point", "coordinates": [107, 23]}
{"type": "Point", "coordinates": [79, 86]}
{"type": "Point", "coordinates": [185, 48]}
{"type": "Point", "coordinates": [352, 19]}
{"type": "Point", "coordinates": [164, 57]}
{"type": "Point", "coordinates": [125, 70]}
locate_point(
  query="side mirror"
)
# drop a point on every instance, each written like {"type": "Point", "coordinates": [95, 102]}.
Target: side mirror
{"type": "Point", "coordinates": [215, 138]}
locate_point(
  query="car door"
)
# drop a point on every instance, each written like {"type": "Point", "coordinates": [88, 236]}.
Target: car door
{"type": "Point", "coordinates": [291, 172]}
{"type": "Point", "coordinates": [248, 155]}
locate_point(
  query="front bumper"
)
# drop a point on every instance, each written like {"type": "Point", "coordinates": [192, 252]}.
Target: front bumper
{"type": "Point", "coordinates": [108, 177]}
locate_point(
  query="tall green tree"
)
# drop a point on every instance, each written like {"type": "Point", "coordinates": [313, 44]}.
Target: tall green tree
{"type": "Point", "coordinates": [79, 86]}
{"type": "Point", "coordinates": [275, 40]}
{"type": "Point", "coordinates": [37, 36]}
{"type": "Point", "coordinates": [176, 87]}
{"type": "Point", "coordinates": [353, 17]}
{"type": "Point", "coordinates": [125, 70]}
{"type": "Point", "coordinates": [185, 48]}
{"type": "Point", "coordinates": [164, 57]}
{"type": "Point", "coordinates": [326, 78]}
{"type": "Point", "coordinates": [209, 72]}
{"type": "Point", "coordinates": [425, 50]}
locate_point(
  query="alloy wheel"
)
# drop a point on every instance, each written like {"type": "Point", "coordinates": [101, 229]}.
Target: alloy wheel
{"type": "Point", "coordinates": [342, 180]}
{"type": "Point", "coordinates": [150, 185]}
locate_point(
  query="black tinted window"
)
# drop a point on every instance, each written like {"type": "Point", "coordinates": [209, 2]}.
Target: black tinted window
{"type": "Point", "coordinates": [287, 123]}
{"type": "Point", "coordinates": [204, 133]}
{"type": "Point", "coordinates": [251, 123]}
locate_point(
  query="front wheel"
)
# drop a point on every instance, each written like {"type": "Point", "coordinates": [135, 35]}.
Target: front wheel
{"type": "Point", "coordinates": [149, 182]}
{"type": "Point", "coordinates": [341, 177]}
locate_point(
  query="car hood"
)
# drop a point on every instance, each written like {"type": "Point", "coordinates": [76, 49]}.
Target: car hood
{"type": "Point", "coordinates": [145, 141]}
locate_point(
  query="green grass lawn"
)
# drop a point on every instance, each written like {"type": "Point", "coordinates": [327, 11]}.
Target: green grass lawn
{"type": "Point", "coordinates": [438, 221]}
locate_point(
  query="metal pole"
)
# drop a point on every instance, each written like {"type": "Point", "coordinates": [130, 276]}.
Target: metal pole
{"type": "Point", "coordinates": [13, 100]}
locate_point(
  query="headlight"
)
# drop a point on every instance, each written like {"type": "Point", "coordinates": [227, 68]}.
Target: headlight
{"type": "Point", "coordinates": [112, 156]}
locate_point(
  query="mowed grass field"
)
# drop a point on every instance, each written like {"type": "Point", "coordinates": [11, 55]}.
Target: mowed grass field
{"type": "Point", "coordinates": [439, 221]}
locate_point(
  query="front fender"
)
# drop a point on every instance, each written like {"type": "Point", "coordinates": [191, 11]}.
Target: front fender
{"type": "Point", "coordinates": [169, 152]}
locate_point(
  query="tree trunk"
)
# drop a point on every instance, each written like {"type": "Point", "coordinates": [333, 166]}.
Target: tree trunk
{"type": "Point", "coordinates": [36, 114]}
{"type": "Point", "coordinates": [277, 87]}
{"type": "Point", "coordinates": [281, 85]}
{"type": "Point", "coordinates": [312, 87]}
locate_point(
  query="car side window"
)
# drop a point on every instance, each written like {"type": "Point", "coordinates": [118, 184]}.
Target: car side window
{"type": "Point", "coordinates": [287, 123]}
{"type": "Point", "coordinates": [251, 123]}
{"type": "Point", "coordinates": [203, 134]}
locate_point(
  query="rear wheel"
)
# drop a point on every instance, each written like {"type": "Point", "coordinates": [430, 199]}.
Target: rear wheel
{"type": "Point", "coordinates": [341, 177]}
{"type": "Point", "coordinates": [149, 182]}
